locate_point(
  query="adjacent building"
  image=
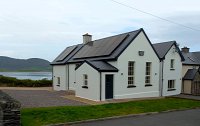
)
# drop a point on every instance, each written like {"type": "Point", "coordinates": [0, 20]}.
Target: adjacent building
{"type": "Point", "coordinates": [191, 72]}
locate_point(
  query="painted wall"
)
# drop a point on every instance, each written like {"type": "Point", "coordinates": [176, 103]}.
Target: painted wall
{"type": "Point", "coordinates": [93, 91]}
{"type": "Point", "coordinates": [175, 74]}
{"type": "Point", "coordinates": [72, 76]}
{"type": "Point", "coordinates": [121, 78]}
{"type": "Point", "coordinates": [60, 71]}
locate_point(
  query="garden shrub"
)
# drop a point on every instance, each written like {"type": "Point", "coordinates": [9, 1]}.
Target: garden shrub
{"type": "Point", "coordinates": [14, 82]}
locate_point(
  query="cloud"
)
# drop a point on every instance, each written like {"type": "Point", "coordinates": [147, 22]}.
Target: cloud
{"type": "Point", "coordinates": [36, 28]}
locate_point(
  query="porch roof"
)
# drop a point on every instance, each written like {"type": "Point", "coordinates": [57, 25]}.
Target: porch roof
{"type": "Point", "coordinates": [100, 66]}
{"type": "Point", "coordinates": [190, 74]}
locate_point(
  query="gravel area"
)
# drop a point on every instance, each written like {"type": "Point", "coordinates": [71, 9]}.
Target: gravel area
{"type": "Point", "coordinates": [41, 98]}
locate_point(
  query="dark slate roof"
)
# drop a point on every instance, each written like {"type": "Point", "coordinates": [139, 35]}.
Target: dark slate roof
{"type": "Point", "coordinates": [113, 51]}
{"type": "Point", "coordinates": [68, 53]}
{"type": "Point", "coordinates": [163, 48]}
{"type": "Point", "coordinates": [101, 66]}
{"type": "Point", "coordinates": [109, 48]}
{"type": "Point", "coordinates": [197, 54]}
{"type": "Point", "coordinates": [191, 58]}
{"type": "Point", "coordinates": [190, 74]}
{"type": "Point", "coordinates": [101, 47]}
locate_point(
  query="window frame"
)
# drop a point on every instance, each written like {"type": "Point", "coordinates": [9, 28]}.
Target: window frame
{"type": "Point", "coordinates": [58, 81]}
{"type": "Point", "coordinates": [172, 64]}
{"type": "Point", "coordinates": [148, 69]}
{"type": "Point", "coordinates": [171, 85]}
{"type": "Point", "coordinates": [85, 81]}
{"type": "Point", "coordinates": [131, 74]}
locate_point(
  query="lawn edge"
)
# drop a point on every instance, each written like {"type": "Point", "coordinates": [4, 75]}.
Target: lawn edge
{"type": "Point", "coordinates": [123, 116]}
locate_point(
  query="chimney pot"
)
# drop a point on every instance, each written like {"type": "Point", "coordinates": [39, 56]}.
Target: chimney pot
{"type": "Point", "coordinates": [185, 49]}
{"type": "Point", "coordinates": [87, 38]}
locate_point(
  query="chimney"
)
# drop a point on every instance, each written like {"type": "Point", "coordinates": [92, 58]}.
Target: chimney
{"type": "Point", "coordinates": [87, 38]}
{"type": "Point", "coordinates": [185, 49]}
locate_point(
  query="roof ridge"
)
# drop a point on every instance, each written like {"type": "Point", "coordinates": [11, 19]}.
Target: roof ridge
{"type": "Point", "coordinates": [117, 35]}
{"type": "Point", "coordinates": [165, 42]}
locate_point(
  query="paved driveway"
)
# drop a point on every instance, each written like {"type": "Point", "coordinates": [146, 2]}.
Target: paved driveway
{"type": "Point", "coordinates": [188, 96]}
{"type": "Point", "coordinates": [41, 98]}
{"type": "Point", "coordinates": [179, 118]}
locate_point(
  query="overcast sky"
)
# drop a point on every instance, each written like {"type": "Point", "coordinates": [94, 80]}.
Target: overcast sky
{"type": "Point", "coordinates": [44, 28]}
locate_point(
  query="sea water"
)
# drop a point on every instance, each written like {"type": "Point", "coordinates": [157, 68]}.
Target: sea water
{"type": "Point", "coordinates": [28, 75]}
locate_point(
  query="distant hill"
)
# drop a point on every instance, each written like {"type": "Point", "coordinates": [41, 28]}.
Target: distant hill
{"type": "Point", "coordinates": [32, 64]}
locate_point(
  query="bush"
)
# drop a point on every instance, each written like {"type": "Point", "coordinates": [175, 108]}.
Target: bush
{"type": "Point", "coordinates": [14, 82]}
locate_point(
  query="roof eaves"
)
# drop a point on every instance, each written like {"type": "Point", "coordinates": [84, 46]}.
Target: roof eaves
{"type": "Point", "coordinates": [86, 61]}
{"type": "Point", "coordinates": [129, 43]}
{"type": "Point", "coordinates": [150, 43]}
{"type": "Point", "coordinates": [163, 58]}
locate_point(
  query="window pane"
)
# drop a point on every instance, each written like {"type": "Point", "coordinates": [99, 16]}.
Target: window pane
{"type": "Point", "coordinates": [85, 79]}
{"type": "Point", "coordinates": [172, 63]}
{"type": "Point", "coordinates": [148, 73]}
{"type": "Point", "coordinates": [130, 72]}
{"type": "Point", "coordinates": [171, 84]}
{"type": "Point", "coordinates": [58, 78]}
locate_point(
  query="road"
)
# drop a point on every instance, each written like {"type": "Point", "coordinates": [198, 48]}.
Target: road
{"type": "Point", "coordinates": [178, 118]}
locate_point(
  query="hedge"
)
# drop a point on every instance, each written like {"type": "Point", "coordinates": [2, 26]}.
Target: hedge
{"type": "Point", "coordinates": [14, 82]}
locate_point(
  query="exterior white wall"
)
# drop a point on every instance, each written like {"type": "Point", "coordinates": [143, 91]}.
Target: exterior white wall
{"type": "Point", "coordinates": [175, 74]}
{"type": "Point", "coordinates": [121, 78]}
{"type": "Point", "coordinates": [60, 71]}
{"type": "Point", "coordinates": [93, 91]}
{"type": "Point", "coordinates": [72, 76]}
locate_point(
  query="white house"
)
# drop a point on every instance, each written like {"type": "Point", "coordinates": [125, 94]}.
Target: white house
{"type": "Point", "coordinates": [117, 67]}
{"type": "Point", "coordinates": [170, 67]}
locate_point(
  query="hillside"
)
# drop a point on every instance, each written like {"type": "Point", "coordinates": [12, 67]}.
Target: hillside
{"type": "Point", "coordinates": [33, 64]}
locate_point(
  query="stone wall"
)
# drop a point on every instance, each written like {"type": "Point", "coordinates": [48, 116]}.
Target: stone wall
{"type": "Point", "coordinates": [9, 111]}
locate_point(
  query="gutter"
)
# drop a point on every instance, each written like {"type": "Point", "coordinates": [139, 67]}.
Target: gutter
{"type": "Point", "coordinates": [68, 75]}
{"type": "Point", "coordinates": [100, 85]}
{"type": "Point", "coordinates": [52, 77]}
{"type": "Point", "coordinates": [161, 88]}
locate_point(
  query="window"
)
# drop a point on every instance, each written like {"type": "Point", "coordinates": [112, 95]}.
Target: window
{"type": "Point", "coordinates": [58, 81]}
{"type": "Point", "coordinates": [172, 64]}
{"type": "Point", "coordinates": [131, 73]}
{"type": "Point", "coordinates": [171, 85]}
{"type": "Point", "coordinates": [148, 74]}
{"type": "Point", "coordinates": [85, 81]}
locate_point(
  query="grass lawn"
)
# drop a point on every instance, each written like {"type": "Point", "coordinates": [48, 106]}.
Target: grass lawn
{"type": "Point", "coordinates": [52, 115]}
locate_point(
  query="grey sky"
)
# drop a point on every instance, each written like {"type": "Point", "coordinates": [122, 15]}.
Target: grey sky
{"type": "Point", "coordinates": [43, 28]}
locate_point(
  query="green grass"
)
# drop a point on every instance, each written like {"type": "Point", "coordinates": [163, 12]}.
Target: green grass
{"type": "Point", "coordinates": [52, 115]}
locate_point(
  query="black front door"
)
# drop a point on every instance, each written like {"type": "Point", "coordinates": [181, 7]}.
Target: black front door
{"type": "Point", "coordinates": [109, 86]}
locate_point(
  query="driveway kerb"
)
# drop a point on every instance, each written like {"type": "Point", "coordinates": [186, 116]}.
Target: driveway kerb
{"type": "Point", "coordinates": [117, 117]}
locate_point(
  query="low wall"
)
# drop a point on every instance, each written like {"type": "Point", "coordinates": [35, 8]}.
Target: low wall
{"type": "Point", "coordinates": [9, 111]}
